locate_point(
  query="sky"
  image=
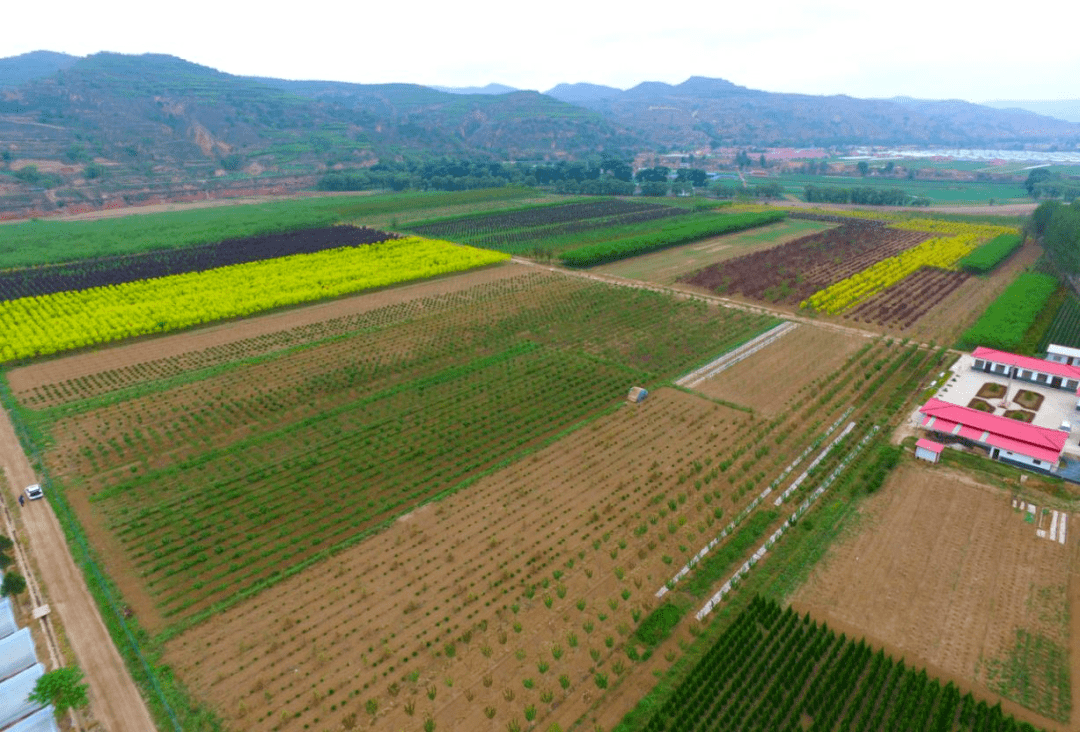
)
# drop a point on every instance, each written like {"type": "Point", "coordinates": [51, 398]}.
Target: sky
{"type": "Point", "coordinates": [930, 49]}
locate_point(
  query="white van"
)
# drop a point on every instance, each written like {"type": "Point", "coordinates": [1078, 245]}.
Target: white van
{"type": "Point", "coordinates": [33, 492]}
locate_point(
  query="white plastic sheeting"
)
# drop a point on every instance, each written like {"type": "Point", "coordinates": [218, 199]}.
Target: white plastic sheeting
{"type": "Point", "coordinates": [16, 653]}
{"type": "Point", "coordinates": [42, 720]}
{"type": "Point", "coordinates": [14, 704]}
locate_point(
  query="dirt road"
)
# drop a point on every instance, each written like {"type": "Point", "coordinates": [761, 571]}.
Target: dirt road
{"type": "Point", "coordinates": [114, 699]}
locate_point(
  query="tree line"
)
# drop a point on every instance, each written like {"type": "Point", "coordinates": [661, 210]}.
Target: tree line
{"type": "Point", "coordinates": [1058, 227]}
{"type": "Point", "coordinates": [606, 176]}
{"type": "Point", "coordinates": [863, 195]}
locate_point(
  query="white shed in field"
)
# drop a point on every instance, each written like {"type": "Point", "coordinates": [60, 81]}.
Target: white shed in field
{"type": "Point", "coordinates": [928, 450]}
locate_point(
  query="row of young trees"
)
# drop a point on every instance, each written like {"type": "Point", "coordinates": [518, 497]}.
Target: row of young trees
{"type": "Point", "coordinates": [604, 176]}
{"type": "Point", "coordinates": [863, 195]}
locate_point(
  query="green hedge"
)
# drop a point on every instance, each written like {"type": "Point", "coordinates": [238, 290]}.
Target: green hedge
{"type": "Point", "coordinates": [987, 257]}
{"type": "Point", "coordinates": [1008, 318]}
{"type": "Point", "coordinates": [682, 232]}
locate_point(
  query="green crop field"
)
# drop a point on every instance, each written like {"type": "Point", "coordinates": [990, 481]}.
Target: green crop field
{"type": "Point", "coordinates": [941, 192]}
{"type": "Point", "coordinates": [361, 436]}
{"type": "Point", "coordinates": [47, 241]}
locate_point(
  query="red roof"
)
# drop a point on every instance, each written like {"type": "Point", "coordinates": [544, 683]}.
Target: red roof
{"type": "Point", "coordinates": [934, 447]}
{"type": "Point", "coordinates": [1028, 362]}
{"type": "Point", "coordinates": [1008, 434]}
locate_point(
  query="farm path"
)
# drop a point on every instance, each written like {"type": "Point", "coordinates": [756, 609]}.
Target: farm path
{"type": "Point", "coordinates": [679, 292]}
{"type": "Point", "coordinates": [114, 699]}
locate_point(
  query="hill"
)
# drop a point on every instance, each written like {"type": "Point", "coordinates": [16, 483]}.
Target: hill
{"type": "Point", "coordinates": [702, 111]}
{"type": "Point", "coordinates": [157, 126]}
{"type": "Point", "coordinates": [1064, 109]}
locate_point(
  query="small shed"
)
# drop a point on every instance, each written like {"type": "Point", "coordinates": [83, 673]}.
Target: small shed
{"type": "Point", "coordinates": [636, 395]}
{"type": "Point", "coordinates": [928, 450]}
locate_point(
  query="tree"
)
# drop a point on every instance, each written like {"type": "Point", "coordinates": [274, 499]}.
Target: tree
{"type": "Point", "coordinates": [1035, 177]}
{"type": "Point", "coordinates": [63, 688]}
{"type": "Point", "coordinates": [863, 167]}
{"type": "Point", "coordinates": [764, 163]}
{"type": "Point", "coordinates": [13, 584]}
{"type": "Point", "coordinates": [654, 188]}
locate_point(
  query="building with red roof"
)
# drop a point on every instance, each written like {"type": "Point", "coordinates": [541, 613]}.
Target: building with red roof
{"type": "Point", "coordinates": [1027, 368]}
{"type": "Point", "coordinates": [1008, 440]}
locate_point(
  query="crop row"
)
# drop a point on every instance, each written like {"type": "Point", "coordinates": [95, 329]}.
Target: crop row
{"type": "Point", "coordinates": [49, 240]}
{"type": "Point", "coordinates": [469, 227]}
{"type": "Point", "coordinates": [303, 449]}
{"type": "Point", "coordinates": [937, 252]}
{"type": "Point", "coordinates": [905, 302]}
{"type": "Point", "coordinates": [680, 232]}
{"type": "Point", "coordinates": [791, 272]}
{"type": "Point", "coordinates": [87, 273]}
{"type": "Point", "coordinates": [1065, 328]}
{"type": "Point", "coordinates": [522, 240]}
{"type": "Point", "coordinates": [1008, 318]}
{"type": "Point", "coordinates": [772, 670]}
{"type": "Point", "coordinates": [989, 255]}
{"type": "Point", "coordinates": [43, 325]}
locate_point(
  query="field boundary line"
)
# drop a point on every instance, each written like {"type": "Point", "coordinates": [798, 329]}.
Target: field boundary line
{"type": "Point", "coordinates": [714, 299]}
{"type": "Point", "coordinates": [754, 504]}
{"type": "Point", "coordinates": [813, 464]}
{"type": "Point", "coordinates": [735, 355]}
{"type": "Point", "coordinates": [779, 533]}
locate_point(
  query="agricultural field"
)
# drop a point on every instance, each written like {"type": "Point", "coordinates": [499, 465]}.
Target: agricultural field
{"type": "Point", "coordinates": [221, 486]}
{"type": "Point", "coordinates": [903, 304]}
{"type": "Point", "coordinates": [429, 505]}
{"type": "Point", "coordinates": [511, 362]}
{"type": "Point", "coordinates": [774, 670]}
{"type": "Point", "coordinates": [522, 230]}
{"type": "Point", "coordinates": [792, 272]}
{"type": "Point", "coordinates": [768, 382]}
{"type": "Point", "coordinates": [1064, 330]}
{"type": "Point", "coordinates": [954, 576]}
{"type": "Point", "coordinates": [583, 234]}
{"type": "Point", "coordinates": [667, 266]}
{"type": "Point", "coordinates": [34, 243]}
{"type": "Point", "coordinates": [47, 324]}
{"type": "Point", "coordinates": [937, 192]}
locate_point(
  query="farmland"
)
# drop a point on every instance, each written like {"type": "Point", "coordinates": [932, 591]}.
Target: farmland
{"type": "Point", "coordinates": [298, 419]}
{"type": "Point", "coordinates": [774, 670]}
{"type": "Point", "coordinates": [428, 506]}
{"type": "Point", "coordinates": [586, 234]}
{"type": "Point", "coordinates": [792, 272]}
{"type": "Point", "coordinates": [956, 578]}
{"type": "Point", "coordinates": [34, 243]}
{"type": "Point", "coordinates": [37, 326]}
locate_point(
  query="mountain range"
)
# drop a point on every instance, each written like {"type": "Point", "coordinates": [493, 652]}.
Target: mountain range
{"type": "Point", "coordinates": [157, 120]}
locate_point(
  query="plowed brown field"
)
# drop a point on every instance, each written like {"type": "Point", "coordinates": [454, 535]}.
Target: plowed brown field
{"type": "Point", "coordinates": [946, 572]}
{"type": "Point", "coordinates": [772, 378]}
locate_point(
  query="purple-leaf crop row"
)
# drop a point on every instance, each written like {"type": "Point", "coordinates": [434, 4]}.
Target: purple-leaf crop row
{"type": "Point", "coordinates": [86, 273]}
{"type": "Point", "coordinates": [466, 227]}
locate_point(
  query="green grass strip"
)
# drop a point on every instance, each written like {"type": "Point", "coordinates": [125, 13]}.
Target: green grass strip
{"type": "Point", "coordinates": [987, 257]}
{"type": "Point", "coordinates": [1009, 317]}
{"type": "Point", "coordinates": [680, 231]}
{"type": "Point", "coordinates": [716, 564]}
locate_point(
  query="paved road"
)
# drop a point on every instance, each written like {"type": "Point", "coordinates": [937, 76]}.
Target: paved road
{"type": "Point", "coordinates": [114, 699]}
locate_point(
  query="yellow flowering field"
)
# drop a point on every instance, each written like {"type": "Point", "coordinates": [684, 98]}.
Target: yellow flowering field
{"type": "Point", "coordinates": [42, 325]}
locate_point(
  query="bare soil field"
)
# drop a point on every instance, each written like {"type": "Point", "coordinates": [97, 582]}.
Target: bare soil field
{"type": "Point", "coordinates": [511, 595]}
{"type": "Point", "coordinates": [769, 380]}
{"type": "Point", "coordinates": [665, 267]}
{"type": "Point", "coordinates": [947, 572]}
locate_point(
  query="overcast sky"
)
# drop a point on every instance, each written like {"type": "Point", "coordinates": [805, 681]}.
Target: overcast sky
{"type": "Point", "coordinates": [933, 49]}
